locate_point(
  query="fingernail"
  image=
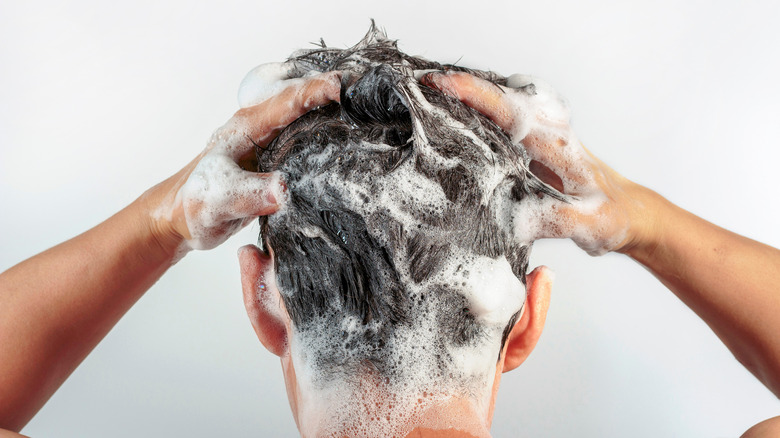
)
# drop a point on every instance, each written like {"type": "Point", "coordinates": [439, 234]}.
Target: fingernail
{"type": "Point", "coordinates": [438, 80]}
{"type": "Point", "coordinates": [429, 78]}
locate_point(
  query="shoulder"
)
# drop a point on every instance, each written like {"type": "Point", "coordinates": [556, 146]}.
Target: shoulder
{"type": "Point", "coordinates": [765, 429]}
{"type": "Point", "coordinates": [8, 434]}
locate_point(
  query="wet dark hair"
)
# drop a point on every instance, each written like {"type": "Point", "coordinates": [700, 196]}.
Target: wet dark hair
{"type": "Point", "coordinates": [346, 255]}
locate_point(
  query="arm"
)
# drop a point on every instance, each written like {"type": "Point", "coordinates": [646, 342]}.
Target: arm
{"type": "Point", "coordinates": [56, 306]}
{"type": "Point", "coordinates": [730, 281]}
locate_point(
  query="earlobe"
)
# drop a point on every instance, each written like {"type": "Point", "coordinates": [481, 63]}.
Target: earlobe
{"type": "Point", "coordinates": [262, 300]}
{"type": "Point", "coordinates": [528, 328]}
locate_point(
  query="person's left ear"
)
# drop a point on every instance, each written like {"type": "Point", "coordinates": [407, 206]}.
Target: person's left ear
{"type": "Point", "coordinates": [527, 330]}
{"type": "Point", "coordinates": [262, 300]}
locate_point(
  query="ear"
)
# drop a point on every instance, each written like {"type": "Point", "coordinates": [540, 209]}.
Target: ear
{"type": "Point", "coordinates": [262, 300]}
{"type": "Point", "coordinates": [527, 330]}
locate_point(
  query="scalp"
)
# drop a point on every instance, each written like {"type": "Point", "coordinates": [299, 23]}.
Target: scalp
{"type": "Point", "coordinates": [395, 251]}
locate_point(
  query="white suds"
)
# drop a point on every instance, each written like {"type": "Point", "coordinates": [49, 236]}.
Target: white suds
{"type": "Point", "coordinates": [492, 292]}
{"type": "Point", "coordinates": [368, 403]}
{"type": "Point", "coordinates": [540, 112]}
{"type": "Point", "coordinates": [263, 82]}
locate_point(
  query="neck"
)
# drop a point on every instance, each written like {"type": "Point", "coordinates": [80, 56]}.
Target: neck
{"type": "Point", "coordinates": [444, 417]}
{"type": "Point", "coordinates": [368, 407]}
{"type": "Point", "coordinates": [456, 418]}
{"type": "Point", "coordinates": [422, 432]}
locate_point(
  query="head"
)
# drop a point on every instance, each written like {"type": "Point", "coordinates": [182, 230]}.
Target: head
{"type": "Point", "coordinates": [393, 282]}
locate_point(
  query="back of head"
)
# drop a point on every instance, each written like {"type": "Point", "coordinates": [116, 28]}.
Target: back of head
{"type": "Point", "coordinates": [396, 254]}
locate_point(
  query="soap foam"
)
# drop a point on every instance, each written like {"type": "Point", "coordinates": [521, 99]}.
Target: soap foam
{"type": "Point", "coordinates": [217, 197]}
{"type": "Point", "coordinates": [420, 368]}
{"type": "Point", "coordinates": [212, 196]}
{"type": "Point", "coordinates": [264, 81]}
{"type": "Point", "coordinates": [491, 289]}
{"type": "Point", "coordinates": [539, 111]}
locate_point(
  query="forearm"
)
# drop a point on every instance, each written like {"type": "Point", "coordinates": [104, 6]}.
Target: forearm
{"type": "Point", "coordinates": [730, 281]}
{"type": "Point", "coordinates": [56, 306]}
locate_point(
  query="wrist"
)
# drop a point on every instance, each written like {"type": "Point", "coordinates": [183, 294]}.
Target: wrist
{"type": "Point", "coordinates": [157, 218]}
{"type": "Point", "coordinates": [645, 228]}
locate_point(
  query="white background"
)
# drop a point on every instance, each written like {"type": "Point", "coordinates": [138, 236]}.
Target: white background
{"type": "Point", "coordinates": [101, 100]}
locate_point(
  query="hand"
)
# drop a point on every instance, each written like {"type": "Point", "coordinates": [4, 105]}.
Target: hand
{"type": "Point", "coordinates": [213, 197]}
{"type": "Point", "coordinates": [602, 213]}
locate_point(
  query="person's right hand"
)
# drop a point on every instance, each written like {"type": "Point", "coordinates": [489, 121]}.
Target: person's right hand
{"type": "Point", "coordinates": [216, 195]}
{"type": "Point", "coordinates": [49, 323]}
{"type": "Point", "coordinates": [603, 212]}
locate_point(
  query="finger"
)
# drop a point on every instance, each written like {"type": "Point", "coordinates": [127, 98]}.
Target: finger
{"type": "Point", "coordinates": [246, 195]}
{"type": "Point", "coordinates": [483, 96]}
{"type": "Point", "coordinates": [263, 82]}
{"type": "Point", "coordinates": [256, 194]}
{"type": "Point", "coordinates": [558, 162]}
{"type": "Point", "coordinates": [546, 218]}
{"type": "Point", "coordinates": [590, 222]}
{"type": "Point", "coordinates": [259, 124]}
{"type": "Point", "coordinates": [265, 120]}
{"type": "Point", "coordinates": [218, 191]}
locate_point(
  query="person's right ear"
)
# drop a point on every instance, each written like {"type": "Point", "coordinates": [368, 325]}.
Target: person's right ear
{"type": "Point", "coordinates": [262, 300]}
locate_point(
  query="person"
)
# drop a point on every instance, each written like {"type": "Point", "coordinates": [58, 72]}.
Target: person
{"type": "Point", "coordinates": [76, 291]}
{"type": "Point", "coordinates": [395, 276]}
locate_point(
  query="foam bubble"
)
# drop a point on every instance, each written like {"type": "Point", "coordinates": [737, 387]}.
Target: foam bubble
{"type": "Point", "coordinates": [423, 371]}
{"type": "Point", "coordinates": [495, 292]}
{"type": "Point", "coordinates": [539, 111]}
{"type": "Point", "coordinates": [215, 195]}
{"type": "Point", "coordinates": [492, 292]}
{"type": "Point", "coordinates": [262, 82]}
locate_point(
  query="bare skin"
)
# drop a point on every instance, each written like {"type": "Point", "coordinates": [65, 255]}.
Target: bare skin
{"type": "Point", "coordinates": [767, 428]}
{"type": "Point", "coordinates": [56, 306]}
{"type": "Point", "coordinates": [729, 281]}
{"type": "Point", "coordinates": [272, 325]}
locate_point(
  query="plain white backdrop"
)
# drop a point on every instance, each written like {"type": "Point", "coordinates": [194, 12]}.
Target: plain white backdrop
{"type": "Point", "coordinates": [101, 100]}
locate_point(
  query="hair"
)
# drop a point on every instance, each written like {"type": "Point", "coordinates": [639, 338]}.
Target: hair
{"type": "Point", "coordinates": [393, 195]}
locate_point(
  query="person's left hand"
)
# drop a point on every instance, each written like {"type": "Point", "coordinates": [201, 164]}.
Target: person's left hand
{"type": "Point", "coordinates": [603, 211]}
{"type": "Point", "coordinates": [213, 197]}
